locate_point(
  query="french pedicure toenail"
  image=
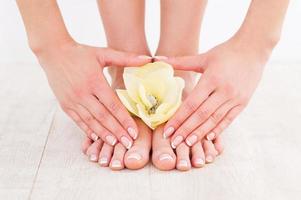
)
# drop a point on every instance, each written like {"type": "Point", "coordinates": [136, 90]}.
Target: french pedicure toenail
{"type": "Point", "coordinates": [183, 163]}
{"type": "Point", "coordinates": [191, 140]}
{"type": "Point", "coordinates": [126, 142]}
{"type": "Point", "coordinates": [135, 156]}
{"type": "Point", "coordinates": [94, 137]}
{"type": "Point", "coordinates": [111, 140]}
{"type": "Point", "coordinates": [168, 132]}
{"type": "Point", "coordinates": [199, 161]}
{"type": "Point", "coordinates": [93, 157]}
{"type": "Point", "coordinates": [210, 136]}
{"type": "Point", "coordinates": [177, 141]}
{"type": "Point", "coordinates": [103, 161]}
{"type": "Point", "coordinates": [133, 133]}
{"type": "Point", "coordinates": [209, 158]}
{"type": "Point", "coordinates": [116, 164]}
{"type": "Point", "coordinates": [165, 157]}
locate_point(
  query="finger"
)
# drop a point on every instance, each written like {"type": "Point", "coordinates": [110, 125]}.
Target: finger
{"type": "Point", "coordinates": [110, 57]}
{"type": "Point", "coordinates": [204, 129]}
{"type": "Point", "coordinates": [199, 94]}
{"type": "Point", "coordinates": [109, 99]}
{"type": "Point", "coordinates": [94, 149]}
{"type": "Point", "coordinates": [105, 118]}
{"type": "Point", "coordinates": [227, 120]}
{"type": "Point", "coordinates": [210, 152]}
{"type": "Point", "coordinates": [198, 117]}
{"type": "Point", "coordinates": [189, 63]}
{"type": "Point", "coordinates": [198, 155]}
{"type": "Point", "coordinates": [96, 127]}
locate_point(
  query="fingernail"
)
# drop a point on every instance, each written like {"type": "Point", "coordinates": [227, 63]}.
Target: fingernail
{"type": "Point", "coordinates": [103, 161]}
{"type": "Point", "coordinates": [199, 161]}
{"type": "Point", "coordinates": [126, 142]}
{"type": "Point", "coordinates": [191, 140]}
{"type": "Point", "coordinates": [94, 137]}
{"type": "Point", "coordinates": [165, 157]}
{"type": "Point", "coordinates": [210, 136]}
{"type": "Point", "coordinates": [144, 57]}
{"type": "Point", "coordinates": [160, 57]}
{"type": "Point", "coordinates": [183, 163]}
{"type": "Point", "coordinates": [135, 156]}
{"type": "Point", "coordinates": [209, 158]}
{"type": "Point", "coordinates": [168, 132]}
{"type": "Point", "coordinates": [116, 164]}
{"type": "Point", "coordinates": [93, 157]}
{"type": "Point", "coordinates": [176, 141]}
{"type": "Point", "coordinates": [133, 133]}
{"type": "Point", "coordinates": [111, 140]}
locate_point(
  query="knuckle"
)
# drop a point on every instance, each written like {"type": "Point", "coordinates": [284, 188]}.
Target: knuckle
{"type": "Point", "coordinates": [190, 106]}
{"type": "Point", "coordinates": [202, 113]}
{"type": "Point", "coordinates": [100, 116]}
{"type": "Point", "coordinates": [216, 117]}
{"type": "Point", "coordinates": [88, 119]}
{"type": "Point", "coordinates": [114, 107]}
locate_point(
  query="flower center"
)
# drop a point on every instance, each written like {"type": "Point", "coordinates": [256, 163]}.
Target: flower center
{"type": "Point", "coordinates": [155, 103]}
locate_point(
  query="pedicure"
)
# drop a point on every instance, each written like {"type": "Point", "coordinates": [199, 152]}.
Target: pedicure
{"type": "Point", "coordinates": [210, 136]}
{"type": "Point", "coordinates": [165, 157]}
{"type": "Point", "coordinates": [199, 161]}
{"type": "Point", "coordinates": [135, 156]}
{"type": "Point", "coordinates": [145, 57]}
{"type": "Point", "coordinates": [133, 133]}
{"type": "Point", "coordinates": [94, 137]}
{"type": "Point", "coordinates": [111, 140]}
{"type": "Point", "coordinates": [103, 161]}
{"type": "Point", "coordinates": [116, 164]}
{"type": "Point", "coordinates": [209, 158]}
{"type": "Point", "coordinates": [177, 141]}
{"type": "Point", "coordinates": [183, 163]}
{"type": "Point", "coordinates": [126, 142]}
{"type": "Point", "coordinates": [93, 157]}
{"type": "Point", "coordinates": [191, 140]}
{"type": "Point", "coordinates": [168, 132]}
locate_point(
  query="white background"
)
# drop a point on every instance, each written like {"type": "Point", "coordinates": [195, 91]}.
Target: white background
{"type": "Point", "coordinates": [82, 18]}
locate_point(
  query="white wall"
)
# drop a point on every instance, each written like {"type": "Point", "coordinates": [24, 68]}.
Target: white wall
{"type": "Point", "coordinates": [83, 21]}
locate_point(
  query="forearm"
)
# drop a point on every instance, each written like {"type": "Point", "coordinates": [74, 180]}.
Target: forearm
{"type": "Point", "coordinates": [43, 22]}
{"type": "Point", "coordinates": [263, 23]}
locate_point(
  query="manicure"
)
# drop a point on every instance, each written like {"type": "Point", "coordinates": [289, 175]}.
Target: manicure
{"type": "Point", "coordinates": [191, 140]}
{"type": "Point", "coordinates": [111, 140]}
{"type": "Point", "coordinates": [168, 132]}
{"type": "Point", "coordinates": [133, 133]}
{"type": "Point", "coordinates": [177, 141]}
{"type": "Point", "coordinates": [94, 137]}
{"type": "Point", "coordinates": [126, 142]}
{"type": "Point", "coordinates": [210, 136]}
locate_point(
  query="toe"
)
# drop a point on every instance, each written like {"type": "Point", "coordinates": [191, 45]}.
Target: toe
{"type": "Point", "coordinates": [105, 155]}
{"type": "Point", "coordinates": [218, 145]}
{"type": "Point", "coordinates": [86, 144]}
{"type": "Point", "coordinates": [183, 161]}
{"type": "Point", "coordinates": [138, 155]}
{"type": "Point", "coordinates": [197, 155]}
{"type": "Point", "coordinates": [163, 156]}
{"type": "Point", "coordinates": [210, 152]}
{"type": "Point", "coordinates": [93, 150]}
{"type": "Point", "coordinates": [117, 159]}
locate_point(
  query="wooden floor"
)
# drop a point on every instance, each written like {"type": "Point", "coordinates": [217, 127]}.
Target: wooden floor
{"type": "Point", "coordinates": [40, 155]}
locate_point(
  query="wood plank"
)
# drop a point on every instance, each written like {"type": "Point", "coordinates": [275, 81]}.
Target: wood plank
{"type": "Point", "coordinates": [26, 112]}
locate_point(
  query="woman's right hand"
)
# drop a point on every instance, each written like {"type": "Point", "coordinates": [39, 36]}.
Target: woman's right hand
{"type": "Point", "coordinates": [75, 74]}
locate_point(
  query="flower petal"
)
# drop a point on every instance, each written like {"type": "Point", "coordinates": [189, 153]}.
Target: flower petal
{"type": "Point", "coordinates": [127, 101]}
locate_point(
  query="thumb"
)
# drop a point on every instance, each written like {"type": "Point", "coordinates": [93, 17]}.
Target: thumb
{"type": "Point", "coordinates": [188, 63]}
{"type": "Point", "coordinates": [111, 57]}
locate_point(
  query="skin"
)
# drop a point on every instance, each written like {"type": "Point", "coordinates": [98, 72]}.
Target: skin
{"type": "Point", "coordinates": [75, 74]}
{"type": "Point", "coordinates": [230, 74]}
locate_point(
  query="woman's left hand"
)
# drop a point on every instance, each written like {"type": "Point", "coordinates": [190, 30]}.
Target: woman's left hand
{"type": "Point", "coordinates": [230, 74]}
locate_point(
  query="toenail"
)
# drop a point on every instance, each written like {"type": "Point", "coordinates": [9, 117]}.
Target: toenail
{"type": "Point", "coordinates": [93, 157]}
{"type": "Point", "coordinates": [133, 133]}
{"type": "Point", "coordinates": [111, 140]}
{"type": "Point", "coordinates": [165, 157]}
{"type": "Point", "coordinates": [168, 132]}
{"type": "Point", "coordinates": [199, 161]}
{"type": "Point", "coordinates": [94, 137]}
{"type": "Point", "coordinates": [135, 156]}
{"type": "Point", "coordinates": [126, 142]}
{"type": "Point", "coordinates": [103, 161]}
{"type": "Point", "coordinates": [183, 163]}
{"type": "Point", "coordinates": [209, 158]}
{"type": "Point", "coordinates": [210, 136]}
{"type": "Point", "coordinates": [177, 141]}
{"type": "Point", "coordinates": [191, 140]}
{"type": "Point", "coordinates": [116, 164]}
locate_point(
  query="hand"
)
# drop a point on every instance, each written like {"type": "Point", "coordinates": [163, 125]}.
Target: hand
{"type": "Point", "coordinates": [231, 72]}
{"type": "Point", "coordinates": [75, 74]}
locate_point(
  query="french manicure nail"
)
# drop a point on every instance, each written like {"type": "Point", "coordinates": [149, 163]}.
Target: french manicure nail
{"type": "Point", "coordinates": [168, 132]}
{"type": "Point", "coordinates": [199, 161]}
{"type": "Point", "coordinates": [103, 161]}
{"type": "Point", "coordinates": [144, 57]}
{"type": "Point", "coordinates": [176, 141]}
{"type": "Point", "coordinates": [209, 158]}
{"type": "Point", "coordinates": [191, 140]}
{"type": "Point", "coordinates": [160, 57]}
{"type": "Point", "coordinates": [165, 157]}
{"type": "Point", "coordinates": [93, 157]}
{"type": "Point", "coordinates": [111, 140]}
{"type": "Point", "coordinates": [183, 163]}
{"type": "Point", "coordinates": [135, 156]}
{"type": "Point", "coordinates": [133, 133]}
{"type": "Point", "coordinates": [210, 136]}
{"type": "Point", "coordinates": [94, 137]}
{"type": "Point", "coordinates": [116, 164]}
{"type": "Point", "coordinates": [126, 142]}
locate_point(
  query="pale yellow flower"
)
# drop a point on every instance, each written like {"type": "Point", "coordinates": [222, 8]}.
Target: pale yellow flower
{"type": "Point", "coordinates": [151, 92]}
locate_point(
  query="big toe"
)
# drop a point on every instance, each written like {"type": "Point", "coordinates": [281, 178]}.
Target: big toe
{"type": "Point", "coordinates": [163, 156]}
